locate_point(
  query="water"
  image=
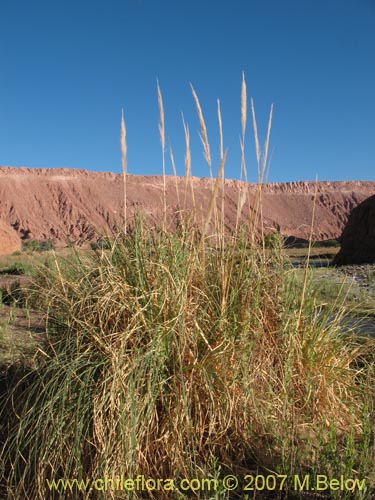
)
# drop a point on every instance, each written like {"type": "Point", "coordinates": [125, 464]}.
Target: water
{"type": "Point", "coordinates": [359, 326]}
{"type": "Point", "coordinates": [314, 263]}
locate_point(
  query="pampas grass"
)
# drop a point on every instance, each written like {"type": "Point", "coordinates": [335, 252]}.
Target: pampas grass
{"type": "Point", "coordinates": [162, 142]}
{"type": "Point", "coordinates": [188, 179]}
{"type": "Point", "coordinates": [171, 155]}
{"type": "Point", "coordinates": [215, 189]}
{"type": "Point", "coordinates": [124, 150]}
{"type": "Point", "coordinates": [203, 136]}
{"type": "Point", "coordinates": [243, 125]}
{"type": "Point", "coordinates": [171, 356]}
{"type": "Point", "coordinates": [220, 121]}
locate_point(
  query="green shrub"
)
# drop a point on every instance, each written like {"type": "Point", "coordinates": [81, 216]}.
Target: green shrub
{"type": "Point", "coordinates": [273, 240]}
{"type": "Point", "coordinates": [17, 268]}
{"type": "Point", "coordinates": [104, 243]}
{"type": "Point", "coordinates": [13, 294]}
{"type": "Point", "coordinates": [37, 245]}
{"type": "Point", "coordinates": [331, 243]}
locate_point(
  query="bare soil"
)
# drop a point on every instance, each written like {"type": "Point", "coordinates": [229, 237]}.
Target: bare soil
{"type": "Point", "coordinates": [77, 205]}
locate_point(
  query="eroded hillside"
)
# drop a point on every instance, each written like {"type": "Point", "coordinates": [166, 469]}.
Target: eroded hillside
{"type": "Point", "coordinates": [80, 205]}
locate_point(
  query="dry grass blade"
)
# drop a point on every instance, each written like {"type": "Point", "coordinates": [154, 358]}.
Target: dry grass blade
{"type": "Point", "coordinates": [257, 213]}
{"type": "Point", "coordinates": [242, 195]}
{"type": "Point", "coordinates": [214, 193]}
{"type": "Point", "coordinates": [223, 173]}
{"type": "Point", "coordinates": [188, 180]}
{"type": "Point", "coordinates": [268, 167]}
{"type": "Point", "coordinates": [266, 146]}
{"type": "Point", "coordinates": [258, 203]}
{"type": "Point", "coordinates": [206, 146]}
{"type": "Point", "coordinates": [174, 173]}
{"type": "Point", "coordinates": [187, 148]}
{"type": "Point", "coordinates": [306, 270]}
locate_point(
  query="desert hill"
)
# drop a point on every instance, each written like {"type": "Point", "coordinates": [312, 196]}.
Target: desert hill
{"type": "Point", "coordinates": [358, 237]}
{"type": "Point", "coordinates": [80, 205]}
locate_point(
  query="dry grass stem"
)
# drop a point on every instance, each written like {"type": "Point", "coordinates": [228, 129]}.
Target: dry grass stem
{"type": "Point", "coordinates": [243, 106]}
{"type": "Point", "coordinates": [174, 174]}
{"type": "Point", "coordinates": [256, 139]}
{"type": "Point", "coordinates": [188, 179]}
{"type": "Point", "coordinates": [162, 142]}
{"type": "Point", "coordinates": [306, 270]}
{"type": "Point", "coordinates": [222, 231]}
{"type": "Point", "coordinates": [243, 125]}
{"type": "Point", "coordinates": [242, 193]}
{"type": "Point", "coordinates": [214, 193]}
{"type": "Point", "coordinates": [203, 135]}
{"type": "Point", "coordinates": [220, 129]}
{"type": "Point", "coordinates": [266, 146]}
{"type": "Point", "coordinates": [258, 203]}
{"type": "Point", "coordinates": [123, 147]}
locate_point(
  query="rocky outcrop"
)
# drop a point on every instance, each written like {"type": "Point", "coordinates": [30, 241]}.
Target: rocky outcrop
{"type": "Point", "coordinates": [9, 240]}
{"type": "Point", "coordinates": [62, 204]}
{"type": "Point", "coordinates": [358, 237]}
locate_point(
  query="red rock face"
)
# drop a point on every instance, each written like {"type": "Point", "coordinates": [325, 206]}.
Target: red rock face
{"type": "Point", "coordinates": [9, 240]}
{"type": "Point", "coordinates": [78, 205]}
{"type": "Point", "coordinates": [358, 237]}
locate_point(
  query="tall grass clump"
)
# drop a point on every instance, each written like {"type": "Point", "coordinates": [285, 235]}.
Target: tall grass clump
{"type": "Point", "coordinates": [178, 355]}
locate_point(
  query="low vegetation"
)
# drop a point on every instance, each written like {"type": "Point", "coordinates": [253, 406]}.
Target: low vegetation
{"type": "Point", "coordinates": [17, 268]}
{"type": "Point", "coordinates": [165, 357]}
{"type": "Point", "coordinates": [37, 245]}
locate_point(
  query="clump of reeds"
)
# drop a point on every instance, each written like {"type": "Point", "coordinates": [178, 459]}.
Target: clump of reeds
{"type": "Point", "coordinates": [171, 352]}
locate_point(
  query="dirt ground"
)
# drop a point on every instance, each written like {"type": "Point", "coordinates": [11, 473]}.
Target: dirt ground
{"type": "Point", "coordinates": [21, 328]}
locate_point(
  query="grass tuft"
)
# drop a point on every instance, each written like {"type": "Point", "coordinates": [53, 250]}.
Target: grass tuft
{"type": "Point", "coordinates": [163, 356]}
{"type": "Point", "coordinates": [186, 355]}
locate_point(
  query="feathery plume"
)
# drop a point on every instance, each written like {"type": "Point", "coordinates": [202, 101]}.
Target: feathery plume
{"type": "Point", "coordinates": [161, 116]}
{"type": "Point", "coordinates": [174, 172]}
{"type": "Point", "coordinates": [123, 147]}
{"type": "Point", "coordinates": [266, 146]}
{"type": "Point", "coordinates": [220, 129]}
{"type": "Point", "coordinates": [214, 192]}
{"type": "Point", "coordinates": [256, 139]}
{"type": "Point", "coordinates": [243, 105]}
{"type": "Point", "coordinates": [162, 141]}
{"type": "Point", "coordinates": [187, 163]}
{"type": "Point", "coordinates": [123, 144]}
{"type": "Point", "coordinates": [203, 135]}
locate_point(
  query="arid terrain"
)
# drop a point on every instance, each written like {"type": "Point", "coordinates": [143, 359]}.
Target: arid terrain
{"type": "Point", "coordinates": [196, 340]}
{"type": "Point", "coordinates": [57, 204]}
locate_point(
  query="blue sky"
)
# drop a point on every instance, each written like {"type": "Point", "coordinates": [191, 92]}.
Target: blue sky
{"type": "Point", "coordinates": [68, 67]}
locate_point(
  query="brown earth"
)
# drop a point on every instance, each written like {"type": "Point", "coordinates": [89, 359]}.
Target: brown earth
{"type": "Point", "coordinates": [9, 239]}
{"type": "Point", "coordinates": [79, 205]}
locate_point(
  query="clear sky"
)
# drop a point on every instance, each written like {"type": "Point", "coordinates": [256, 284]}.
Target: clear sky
{"type": "Point", "coordinates": [69, 66]}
